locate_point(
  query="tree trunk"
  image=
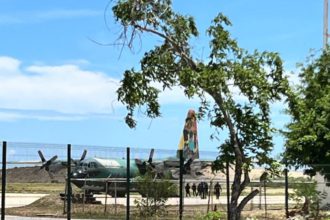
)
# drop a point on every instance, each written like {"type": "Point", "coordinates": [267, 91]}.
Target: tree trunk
{"type": "Point", "coordinates": [237, 186]}
{"type": "Point", "coordinates": [235, 192]}
{"type": "Point", "coordinates": [236, 210]}
{"type": "Point", "coordinates": [305, 208]}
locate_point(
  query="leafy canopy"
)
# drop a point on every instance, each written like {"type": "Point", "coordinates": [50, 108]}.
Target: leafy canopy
{"type": "Point", "coordinates": [308, 136]}
{"type": "Point", "coordinates": [229, 75]}
{"type": "Point", "coordinates": [235, 87]}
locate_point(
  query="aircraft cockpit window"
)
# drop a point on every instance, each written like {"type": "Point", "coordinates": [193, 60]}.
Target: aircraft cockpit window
{"type": "Point", "coordinates": [92, 165]}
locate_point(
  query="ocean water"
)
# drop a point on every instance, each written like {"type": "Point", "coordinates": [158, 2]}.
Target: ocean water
{"type": "Point", "coordinates": [25, 154]}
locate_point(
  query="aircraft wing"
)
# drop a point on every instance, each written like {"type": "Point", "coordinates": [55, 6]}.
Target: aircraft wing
{"type": "Point", "coordinates": [173, 163]}
{"type": "Point", "coordinates": [100, 179]}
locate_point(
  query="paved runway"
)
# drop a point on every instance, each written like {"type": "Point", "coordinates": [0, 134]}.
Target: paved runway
{"type": "Point", "coordinates": [21, 199]}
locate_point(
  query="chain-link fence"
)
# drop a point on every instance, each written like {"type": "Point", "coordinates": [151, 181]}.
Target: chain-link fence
{"type": "Point", "coordinates": [73, 181]}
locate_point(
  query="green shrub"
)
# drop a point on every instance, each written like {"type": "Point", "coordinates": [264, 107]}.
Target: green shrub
{"type": "Point", "coordinates": [155, 194]}
{"type": "Point", "coordinates": [216, 215]}
{"type": "Point", "coordinates": [304, 190]}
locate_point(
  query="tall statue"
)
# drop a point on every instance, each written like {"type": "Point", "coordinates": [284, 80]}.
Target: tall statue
{"type": "Point", "coordinates": [189, 139]}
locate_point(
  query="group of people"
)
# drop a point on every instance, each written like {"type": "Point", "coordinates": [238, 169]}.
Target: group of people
{"type": "Point", "coordinates": [202, 190]}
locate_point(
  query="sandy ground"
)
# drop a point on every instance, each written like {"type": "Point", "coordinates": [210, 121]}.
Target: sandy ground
{"type": "Point", "coordinates": [196, 200]}
{"type": "Point", "coordinates": [20, 199]}
{"type": "Point", "coordinates": [30, 218]}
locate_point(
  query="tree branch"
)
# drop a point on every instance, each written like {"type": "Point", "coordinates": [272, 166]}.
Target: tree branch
{"type": "Point", "coordinates": [247, 199]}
{"type": "Point", "coordinates": [238, 153]}
{"type": "Point", "coordinates": [177, 48]}
{"type": "Point", "coordinates": [245, 181]}
{"type": "Point", "coordinates": [219, 100]}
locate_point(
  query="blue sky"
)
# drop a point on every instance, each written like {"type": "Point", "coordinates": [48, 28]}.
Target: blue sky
{"type": "Point", "coordinates": [58, 85]}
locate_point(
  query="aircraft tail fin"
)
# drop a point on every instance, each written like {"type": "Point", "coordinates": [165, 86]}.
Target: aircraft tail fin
{"type": "Point", "coordinates": [189, 139]}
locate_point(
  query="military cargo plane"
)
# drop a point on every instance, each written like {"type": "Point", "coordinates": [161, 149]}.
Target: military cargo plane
{"type": "Point", "coordinates": [91, 174]}
{"type": "Point", "coordinates": [100, 174]}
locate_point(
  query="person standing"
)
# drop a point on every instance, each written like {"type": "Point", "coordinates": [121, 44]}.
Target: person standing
{"type": "Point", "coordinates": [187, 190]}
{"type": "Point", "coordinates": [217, 189]}
{"type": "Point", "coordinates": [200, 189]}
{"type": "Point", "coordinates": [206, 190]}
{"type": "Point", "coordinates": [193, 187]}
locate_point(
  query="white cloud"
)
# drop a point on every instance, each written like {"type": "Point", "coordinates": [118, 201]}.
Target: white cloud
{"type": "Point", "coordinates": [7, 116]}
{"type": "Point", "coordinates": [70, 92]}
{"type": "Point", "coordinates": [9, 66]}
{"type": "Point", "coordinates": [66, 89]}
{"type": "Point", "coordinates": [62, 92]}
{"type": "Point", "coordinates": [12, 115]}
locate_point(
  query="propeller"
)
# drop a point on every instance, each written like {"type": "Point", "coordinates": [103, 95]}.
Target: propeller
{"type": "Point", "coordinates": [151, 155]}
{"type": "Point", "coordinates": [83, 156]}
{"type": "Point", "coordinates": [142, 165]}
{"type": "Point", "coordinates": [46, 163]}
{"type": "Point", "coordinates": [41, 156]}
{"type": "Point", "coordinates": [78, 172]}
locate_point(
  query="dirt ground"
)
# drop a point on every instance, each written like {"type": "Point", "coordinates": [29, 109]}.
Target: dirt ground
{"type": "Point", "coordinates": [32, 175]}
{"type": "Point", "coordinates": [52, 206]}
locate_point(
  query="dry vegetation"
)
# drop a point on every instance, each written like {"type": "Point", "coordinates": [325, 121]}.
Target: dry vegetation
{"type": "Point", "coordinates": [52, 206]}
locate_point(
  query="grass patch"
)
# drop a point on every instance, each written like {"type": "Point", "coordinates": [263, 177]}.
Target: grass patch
{"type": "Point", "coordinates": [48, 188]}
{"type": "Point", "coordinates": [35, 188]}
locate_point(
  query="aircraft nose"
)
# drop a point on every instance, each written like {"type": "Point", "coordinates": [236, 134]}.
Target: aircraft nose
{"type": "Point", "coordinates": [79, 174]}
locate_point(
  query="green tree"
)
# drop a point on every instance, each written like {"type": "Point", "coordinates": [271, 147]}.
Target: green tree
{"type": "Point", "coordinates": [155, 194]}
{"type": "Point", "coordinates": [305, 190]}
{"type": "Point", "coordinates": [308, 135]}
{"type": "Point", "coordinates": [228, 72]}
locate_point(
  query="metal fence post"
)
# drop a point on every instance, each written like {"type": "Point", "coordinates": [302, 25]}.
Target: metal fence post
{"type": "Point", "coordinates": [260, 195]}
{"type": "Point", "coordinates": [127, 182]}
{"type": "Point", "coordinates": [228, 190]}
{"type": "Point", "coordinates": [181, 184]}
{"type": "Point", "coordinates": [69, 183]}
{"type": "Point", "coordinates": [286, 191]}
{"type": "Point", "coordinates": [3, 187]}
